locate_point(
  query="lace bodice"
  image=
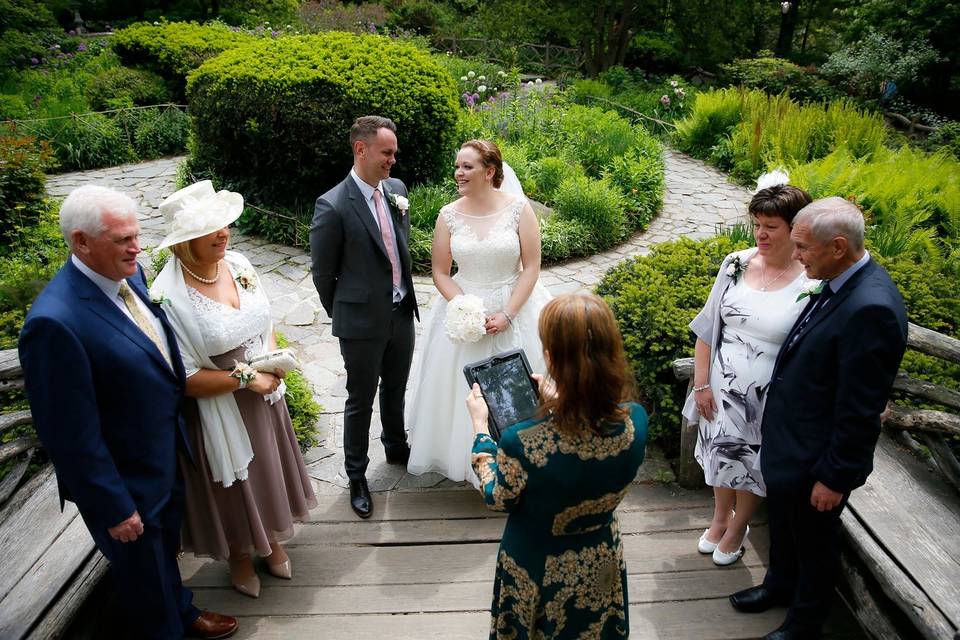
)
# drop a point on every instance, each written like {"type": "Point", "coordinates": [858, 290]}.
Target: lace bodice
{"type": "Point", "coordinates": [485, 248]}
{"type": "Point", "coordinates": [224, 328]}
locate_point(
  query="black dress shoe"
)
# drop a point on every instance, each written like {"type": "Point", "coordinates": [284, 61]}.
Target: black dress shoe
{"type": "Point", "coordinates": [755, 600]}
{"type": "Point", "coordinates": [399, 455]}
{"type": "Point", "coordinates": [360, 498]}
{"type": "Point", "coordinates": [789, 631]}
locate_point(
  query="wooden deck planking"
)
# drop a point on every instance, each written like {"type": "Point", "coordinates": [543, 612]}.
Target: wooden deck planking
{"type": "Point", "coordinates": [423, 567]}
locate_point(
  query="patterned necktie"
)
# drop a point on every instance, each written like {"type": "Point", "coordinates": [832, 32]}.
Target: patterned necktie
{"type": "Point", "coordinates": [130, 300]}
{"type": "Point", "coordinates": [387, 235]}
{"type": "Point", "coordinates": [819, 304]}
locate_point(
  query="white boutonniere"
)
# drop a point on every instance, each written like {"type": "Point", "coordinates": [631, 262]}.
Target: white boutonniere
{"type": "Point", "coordinates": [813, 288]}
{"type": "Point", "coordinates": [400, 202]}
{"type": "Point", "coordinates": [736, 268]}
{"type": "Point", "coordinates": [247, 279]}
{"type": "Point", "coordinates": [157, 297]}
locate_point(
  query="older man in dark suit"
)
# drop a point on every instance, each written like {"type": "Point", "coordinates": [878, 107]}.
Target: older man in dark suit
{"type": "Point", "coordinates": [361, 268]}
{"type": "Point", "coordinates": [821, 421]}
{"type": "Point", "coordinates": [104, 379]}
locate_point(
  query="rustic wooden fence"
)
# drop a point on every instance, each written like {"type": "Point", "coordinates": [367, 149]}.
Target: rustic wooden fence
{"type": "Point", "coordinates": [901, 563]}
{"type": "Point", "coordinates": [546, 60]}
{"type": "Point", "coordinates": [49, 563]}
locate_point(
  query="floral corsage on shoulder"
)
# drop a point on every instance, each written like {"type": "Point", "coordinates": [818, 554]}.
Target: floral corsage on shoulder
{"type": "Point", "coordinates": [811, 288]}
{"type": "Point", "coordinates": [246, 278]}
{"type": "Point", "coordinates": [736, 268]}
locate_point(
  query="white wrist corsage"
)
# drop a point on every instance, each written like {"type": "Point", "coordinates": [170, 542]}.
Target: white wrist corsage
{"type": "Point", "coordinates": [466, 319]}
{"type": "Point", "coordinates": [243, 372]}
{"type": "Point", "coordinates": [400, 202]}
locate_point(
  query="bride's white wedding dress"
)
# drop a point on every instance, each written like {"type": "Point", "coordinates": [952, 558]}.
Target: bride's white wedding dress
{"type": "Point", "coordinates": [487, 252]}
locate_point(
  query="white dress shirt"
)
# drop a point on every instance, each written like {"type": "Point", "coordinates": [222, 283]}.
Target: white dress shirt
{"type": "Point", "coordinates": [111, 289]}
{"type": "Point", "coordinates": [400, 291]}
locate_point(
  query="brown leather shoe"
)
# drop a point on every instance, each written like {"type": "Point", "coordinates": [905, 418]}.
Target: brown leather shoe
{"type": "Point", "coordinates": [212, 625]}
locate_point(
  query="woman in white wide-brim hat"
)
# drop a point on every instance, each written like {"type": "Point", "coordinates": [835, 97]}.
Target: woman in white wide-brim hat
{"type": "Point", "coordinates": [249, 483]}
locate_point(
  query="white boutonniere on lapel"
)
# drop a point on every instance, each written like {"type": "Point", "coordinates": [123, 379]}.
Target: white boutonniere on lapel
{"type": "Point", "coordinates": [247, 279]}
{"type": "Point", "coordinates": [157, 297]}
{"type": "Point", "coordinates": [812, 288]}
{"type": "Point", "coordinates": [400, 202]}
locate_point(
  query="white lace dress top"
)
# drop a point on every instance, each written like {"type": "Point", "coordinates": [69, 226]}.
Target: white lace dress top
{"type": "Point", "coordinates": [224, 328]}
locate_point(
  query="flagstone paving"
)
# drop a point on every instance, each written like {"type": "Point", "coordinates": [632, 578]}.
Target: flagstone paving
{"type": "Point", "coordinates": [698, 200]}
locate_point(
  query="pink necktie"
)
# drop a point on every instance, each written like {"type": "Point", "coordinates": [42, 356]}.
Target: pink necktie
{"type": "Point", "coordinates": [387, 236]}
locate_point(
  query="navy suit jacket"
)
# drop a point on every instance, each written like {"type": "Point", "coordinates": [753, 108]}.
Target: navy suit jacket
{"type": "Point", "coordinates": [821, 420]}
{"type": "Point", "coordinates": [105, 403]}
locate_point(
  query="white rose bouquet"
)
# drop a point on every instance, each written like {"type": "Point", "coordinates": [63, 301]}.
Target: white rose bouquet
{"type": "Point", "coordinates": [466, 319]}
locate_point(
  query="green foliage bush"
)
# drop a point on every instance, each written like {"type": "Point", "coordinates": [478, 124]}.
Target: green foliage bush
{"type": "Point", "coordinates": [250, 13]}
{"type": "Point", "coordinates": [549, 173]}
{"type": "Point", "coordinates": [776, 75]}
{"type": "Point", "coordinates": [22, 164]}
{"type": "Point", "coordinates": [745, 131]}
{"type": "Point", "coordinates": [654, 52]}
{"type": "Point", "coordinates": [88, 141]}
{"type": "Point", "coordinates": [425, 204]}
{"type": "Point", "coordinates": [283, 108]}
{"type": "Point", "coordinates": [479, 80]}
{"type": "Point", "coordinates": [655, 105]}
{"type": "Point", "coordinates": [159, 132]}
{"type": "Point", "coordinates": [655, 297]}
{"type": "Point", "coordinates": [596, 136]}
{"type": "Point", "coordinates": [304, 410]}
{"type": "Point", "coordinates": [120, 87]}
{"type": "Point", "coordinates": [597, 205]}
{"type": "Point", "coordinates": [948, 136]}
{"type": "Point", "coordinates": [639, 176]}
{"type": "Point", "coordinates": [174, 49]}
{"type": "Point", "coordinates": [563, 238]}
{"type": "Point", "coordinates": [27, 30]}
{"type": "Point", "coordinates": [333, 15]}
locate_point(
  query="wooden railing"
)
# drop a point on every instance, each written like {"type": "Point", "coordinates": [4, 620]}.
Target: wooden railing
{"type": "Point", "coordinates": [900, 563]}
{"type": "Point", "coordinates": [50, 564]}
{"type": "Point", "coordinates": [546, 60]}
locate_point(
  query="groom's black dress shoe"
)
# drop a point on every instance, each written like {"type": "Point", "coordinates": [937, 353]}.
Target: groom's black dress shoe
{"type": "Point", "coordinates": [756, 600]}
{"type": "Point", "coordinates": [360, 498]}
{"type": "Point", "coordinates": [398, 455]}
{"type": "Point", "coordinates": [789, 631]}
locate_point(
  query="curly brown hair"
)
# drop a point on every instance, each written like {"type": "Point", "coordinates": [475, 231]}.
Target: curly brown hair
{"type": "Point", "coordinates": [489, 156]}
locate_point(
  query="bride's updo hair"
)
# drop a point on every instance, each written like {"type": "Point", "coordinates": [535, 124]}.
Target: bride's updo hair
{"type": "Point", "coordinates": [489, 156]}
{"type": "Point", "coordinates": [586, 361]}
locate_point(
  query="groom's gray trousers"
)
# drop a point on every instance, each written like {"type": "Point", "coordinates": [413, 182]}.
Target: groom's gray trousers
{"type": "Point", "coordinates": [368, 361]}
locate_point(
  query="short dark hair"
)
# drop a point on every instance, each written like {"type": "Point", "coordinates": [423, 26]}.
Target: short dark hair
{"type": "Point", "coordinates": [365, 128]}
{"type": "Point", "coordinates": [782, 201]}
{"type": "Point", "coordinates": [490, 156]}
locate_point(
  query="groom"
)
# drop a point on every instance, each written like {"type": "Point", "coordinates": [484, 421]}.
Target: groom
{"type": "Point", "coordinates": [821, 420]}
{"type": "Point", "coordinates": [361, 268]}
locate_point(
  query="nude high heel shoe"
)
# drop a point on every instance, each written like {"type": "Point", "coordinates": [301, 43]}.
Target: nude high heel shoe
{"type": "Point", "coordinates": [249, 586]}
{"type": "Point", "coordinates": [282, 570]}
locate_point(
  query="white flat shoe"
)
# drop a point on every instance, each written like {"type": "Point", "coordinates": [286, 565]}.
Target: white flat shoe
{"type": "Point", "coordinates": [704, 545]}
{"type": "Point", "coordinates": [723, 558]}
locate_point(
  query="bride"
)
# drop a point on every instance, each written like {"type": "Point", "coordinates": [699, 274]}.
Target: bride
{"type": "Point", "coordinates": [494, 237]}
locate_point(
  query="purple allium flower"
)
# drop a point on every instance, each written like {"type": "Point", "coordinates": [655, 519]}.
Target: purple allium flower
{"type": "Point", "coordinates": [72, 32]}
{"type": "Point", "coordinates": [81, 47]}
{"type": "Point", "coordinates": [665, 100]}
{"type": "Point", "coordinates": [34, 61]}
{"type": "Point", "coordinates": [372, 27]}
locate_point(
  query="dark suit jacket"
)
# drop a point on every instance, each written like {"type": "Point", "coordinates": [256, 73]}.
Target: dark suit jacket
{"type": "Point", "coordinates": [351, 269]}
{"type": "Point", "coordinates": [105, 403]}
{"type": "Point", "coordinates": [821, 420]}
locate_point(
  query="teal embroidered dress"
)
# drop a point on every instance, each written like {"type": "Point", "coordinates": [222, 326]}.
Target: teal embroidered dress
{"type": "Point", "coordinates": [560, 569]}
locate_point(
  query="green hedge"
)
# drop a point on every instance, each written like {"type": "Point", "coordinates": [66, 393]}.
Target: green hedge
{"type": "Point", "coordinates": [776, 75]}
{"type": "Point", "coordinates": [174, 49]}
{"type": "Point", "coordinates": [271, 118]}
{"type": "Point", "coordinates": [655, 297]}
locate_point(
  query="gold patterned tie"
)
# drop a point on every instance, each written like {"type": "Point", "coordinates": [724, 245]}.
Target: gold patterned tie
{"type": "Point", "coordinates": [130, 300]}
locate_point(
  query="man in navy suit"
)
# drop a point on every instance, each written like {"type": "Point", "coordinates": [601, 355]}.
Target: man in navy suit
{"type": "Point", "coordinates": [105, 382]}
{"type": "Point", "coordinates": [821, 420]}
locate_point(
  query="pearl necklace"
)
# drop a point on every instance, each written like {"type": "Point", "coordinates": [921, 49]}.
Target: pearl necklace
{"type": "Point", "coordinates": [212, 280]}
{"type": "Point", "coordinates": [764, 283]}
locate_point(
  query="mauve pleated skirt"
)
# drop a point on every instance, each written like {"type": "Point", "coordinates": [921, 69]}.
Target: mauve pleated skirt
{"type": "Point", "coordinates": [250, 514]}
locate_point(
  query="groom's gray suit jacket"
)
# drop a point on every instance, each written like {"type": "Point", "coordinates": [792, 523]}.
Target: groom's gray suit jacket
{"type": "Point", "coordinates": [351, 269]}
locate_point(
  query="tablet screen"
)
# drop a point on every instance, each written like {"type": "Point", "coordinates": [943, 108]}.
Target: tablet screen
{"type": "Point", "coordinates": [508, 391]}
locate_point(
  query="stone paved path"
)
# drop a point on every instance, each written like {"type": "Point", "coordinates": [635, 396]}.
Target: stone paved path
{"type": "Point", "coordinates": [698, 199]}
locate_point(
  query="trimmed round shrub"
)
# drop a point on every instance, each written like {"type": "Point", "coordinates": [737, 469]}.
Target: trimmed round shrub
{"type": "Point", "coordinates": [125, 87]}
{"type": "Point", "coordinates": [174, 49]}
{"type": "Point", "coordinates": [597, 205]}
{"type": "Point", "coordinates": [272, 118]}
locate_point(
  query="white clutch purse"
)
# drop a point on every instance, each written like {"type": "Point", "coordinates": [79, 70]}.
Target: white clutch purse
{"type": "Point", "coordinates": [283, 359]}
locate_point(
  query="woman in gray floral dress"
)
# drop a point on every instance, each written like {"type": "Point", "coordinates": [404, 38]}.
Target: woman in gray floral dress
{"type": "Point", "coordinates": [753, 305]}
{"type": "Point", "coordinates": [560, 570]}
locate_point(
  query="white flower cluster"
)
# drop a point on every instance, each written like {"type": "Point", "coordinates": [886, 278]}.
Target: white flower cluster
{"type": "Point", "coordinates": [466, 319]}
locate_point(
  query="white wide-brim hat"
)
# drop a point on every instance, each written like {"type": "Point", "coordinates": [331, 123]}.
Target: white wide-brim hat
{"type": "Point", "coordinates": [197, 210]}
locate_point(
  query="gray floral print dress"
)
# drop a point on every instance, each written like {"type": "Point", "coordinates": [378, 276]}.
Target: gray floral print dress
{"type": "Point", "coordinates": [755, 324]}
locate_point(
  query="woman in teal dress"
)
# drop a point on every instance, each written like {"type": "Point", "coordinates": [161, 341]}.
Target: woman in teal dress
{"type": "Point", "coordinates": [560, 569]}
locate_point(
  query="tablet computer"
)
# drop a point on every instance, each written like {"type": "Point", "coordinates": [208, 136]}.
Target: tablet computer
{"type": "Point", "coordinates": [509, 391]}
